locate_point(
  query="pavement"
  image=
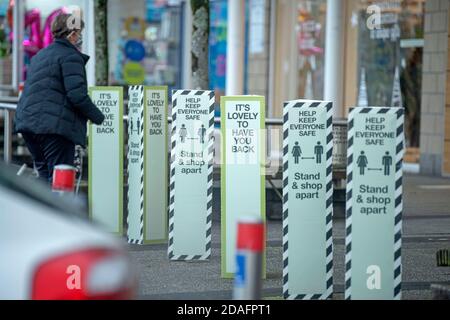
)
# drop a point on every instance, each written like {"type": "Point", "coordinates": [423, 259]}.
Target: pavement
{"type": "Point", "coordinates": [426, 229]}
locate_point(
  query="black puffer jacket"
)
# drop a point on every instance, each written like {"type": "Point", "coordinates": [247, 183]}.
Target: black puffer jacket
{"type": "Point", "coordinates": [55, 99]}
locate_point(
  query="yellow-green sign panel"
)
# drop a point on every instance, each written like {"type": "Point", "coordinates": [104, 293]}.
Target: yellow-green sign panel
{"type": "Point", "coordinates": [243, 170]}
{"type": "Point", "coordinates": [106, 160]}
{"type": "Point", "coordinates": [156, 165]}
{"type": "Point", "coordinates": [374, 203]}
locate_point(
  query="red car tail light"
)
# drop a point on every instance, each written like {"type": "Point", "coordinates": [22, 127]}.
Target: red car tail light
{"type": "Point", "coordinates": [95, 274]}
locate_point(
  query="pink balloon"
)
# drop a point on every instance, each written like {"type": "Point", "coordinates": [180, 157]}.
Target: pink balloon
{"type": "Point", "coordinates": [10, 19]}
{"type": "Point", "coordinates": [37, 40]}
{"type": "Point", "coordinates": [34, 43]}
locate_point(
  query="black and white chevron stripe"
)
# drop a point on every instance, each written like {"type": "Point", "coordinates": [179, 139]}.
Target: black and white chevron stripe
{"type": "Point", "coordinates": [140, 240]}
{"type": "Point", "coordinates": [398, 204]}
{"type": "Point", "coordinates": [398, 196]}
{"type": "Point", "coordinates": [210, 134]}
{"type": "Point", "coordinates": [349, 198]}
{"type": "Point", "coordinates": [286, 110]}
{"type": "Point", "coordinates": [329, 204]}
{"type": "Point", "coordinates": [172, 171]}
{"type": "Point", "coordinates": [329, 200]}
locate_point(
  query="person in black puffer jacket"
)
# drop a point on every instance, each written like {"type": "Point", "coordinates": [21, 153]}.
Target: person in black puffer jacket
{"type": "Point", "coordinates": [55, 106]}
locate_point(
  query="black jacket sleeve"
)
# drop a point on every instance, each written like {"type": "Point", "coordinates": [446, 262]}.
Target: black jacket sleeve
{"type": "Point", "coordinates": [73, 73]}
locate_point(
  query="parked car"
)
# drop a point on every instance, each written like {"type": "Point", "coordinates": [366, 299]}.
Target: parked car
{"type": "Point", "coordinates": [49, 251]}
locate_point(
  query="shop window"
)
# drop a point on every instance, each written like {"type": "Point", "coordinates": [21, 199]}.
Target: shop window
{"type": "Point", "coordinates": [145, 42]}
{"type": "Point", "coordinates": [299, 58]}
{"type": "Point", "coordinates": [390, 61]}
{"type": "Point", "coordinates": [310, 33]}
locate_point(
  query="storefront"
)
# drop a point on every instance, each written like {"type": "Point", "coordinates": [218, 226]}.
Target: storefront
{"type": "Point", "coordinates": [147, 41]}
{"type": "Point", "coordinates": [285, 51]}
{"type": "Point", "coordinates": [390, 59]}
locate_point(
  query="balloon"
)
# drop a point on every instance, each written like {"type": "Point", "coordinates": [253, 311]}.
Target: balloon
{"type": "Point", "coordinates": [10, 18]}
{"type": "Point", "coordinates": [34, 43]}
{"type": "Point", "coordinates": [37, 39]}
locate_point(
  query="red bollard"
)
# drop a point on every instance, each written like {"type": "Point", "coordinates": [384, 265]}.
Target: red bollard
{"type": "Point", "coordinates": [249, 259]}
{"type": "Point", "coordinates": [64, 179]}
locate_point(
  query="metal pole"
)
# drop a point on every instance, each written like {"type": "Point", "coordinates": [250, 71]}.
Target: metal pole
{"type": "Point", "coordinates": [271, 71]}
{"type": "Point", "coordinates": [15, 48]}
{"type": "Point", "coordinates": [235, 48]}
{"type": "Point", "coordinates": [187, 47]}
{"type": "Point", "coordinates": [334, 55]}
{"type": "Point", "coordinates": [18, 28]}
{"type": "Point", "coordinates": [7, 143]}
{"type": "Point", "coordinates": [90, 45]}
{"type": "Point", "coordinates": [272, 43]}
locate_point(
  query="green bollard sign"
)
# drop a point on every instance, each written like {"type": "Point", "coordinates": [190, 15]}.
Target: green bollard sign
{"type": "Point", "coordinates": [156, 165]}
{"type": "Point", "coordinates": [374, 203]}
{"type": "Point", "coordinates": [243, 153]}
{"type": "Point", "coordinates": [147, 165]}
{"type": "Point", "coordinates": [106, 160]}
{"type": "Point", "coordinates": [307, 200]}
{"type": "Point", "coordinates": [191, 175]}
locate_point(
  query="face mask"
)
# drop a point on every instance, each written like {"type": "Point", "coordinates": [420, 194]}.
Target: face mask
{"type": "Point", "coordinates": [79, 43]}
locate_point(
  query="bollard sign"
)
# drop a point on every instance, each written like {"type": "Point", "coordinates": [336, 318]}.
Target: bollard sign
{"type": "Point", "coordinates": [191, 175]}
{"type": "Point", "coordinates": [136, 172]}
{"type": "Point", "coordinates": [243, 170]}
{"type": "Point", "coordinates": [106, 160]}
{"type": "Point", "coordinates": [147, 165]}
{"type": "Point", "coordinates": [307, 200]}
{"type": "Point", "coordinates": [374, 203]}
{"type": "Point", "coordinates": [156, 165]}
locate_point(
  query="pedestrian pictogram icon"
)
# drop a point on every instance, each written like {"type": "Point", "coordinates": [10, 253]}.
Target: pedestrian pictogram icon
{"type": "Point", "coordinates": [202, 133]}
{"type": "Point", "coordinates": [318, 150]}
{"type": "Point", "coordinates": [297, 152]}
{"type": "Point", "coordinates": [183, 133]}
{"type": "Point", "coordinates": [135, 125]}
{"type": "Point", "coordinates": [362, 163]}
{"type": "Point", "coordinates": [387, 163]}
